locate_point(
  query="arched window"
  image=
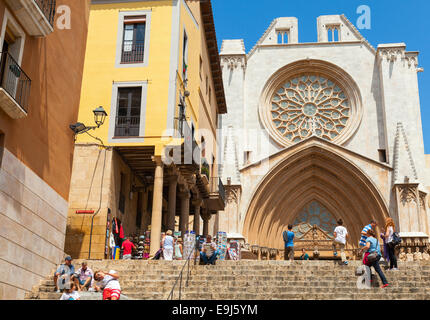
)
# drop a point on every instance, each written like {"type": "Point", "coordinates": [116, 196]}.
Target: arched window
{"type": "Point", "coordinates": [314, 214]}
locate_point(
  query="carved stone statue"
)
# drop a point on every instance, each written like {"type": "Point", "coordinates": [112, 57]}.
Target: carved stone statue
{"type": "Point", "coordinates": [417, 254]}
{"type": "Point", "coordinates": [316, 253]}
{"type": "Point", "coordinates": [409, 255]}
{"type": "Point", "coordinates": [402, 254]}
{"type": "Point", "coordinates": [426, 255]}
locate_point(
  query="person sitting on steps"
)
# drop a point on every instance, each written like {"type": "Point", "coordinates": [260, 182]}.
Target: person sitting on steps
{"type": "Point", "coordinates": [64, 273]}
{"type": "Point", "coordinates": [209, 251]}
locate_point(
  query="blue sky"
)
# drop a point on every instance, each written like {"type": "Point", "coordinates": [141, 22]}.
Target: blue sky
{"type": "Point", "coordinates": [392, 21]}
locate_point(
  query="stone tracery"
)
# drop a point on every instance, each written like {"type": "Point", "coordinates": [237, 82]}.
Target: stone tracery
{"type": "Point", "coordinates": [309, 105]}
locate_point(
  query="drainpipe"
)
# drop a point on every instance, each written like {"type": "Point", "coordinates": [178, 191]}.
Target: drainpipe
{"type": "Point", "coordinates": [100, 204]}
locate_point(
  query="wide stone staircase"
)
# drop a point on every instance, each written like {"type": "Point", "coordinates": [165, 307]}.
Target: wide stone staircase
{"type": "Point", "coordinates": [256, 280]}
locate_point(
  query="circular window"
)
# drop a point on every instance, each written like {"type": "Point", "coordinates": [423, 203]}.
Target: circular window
{"type": "Point", "coordinates": [322, 101]}
{"type": "Point", "coordinates": [309, 105]}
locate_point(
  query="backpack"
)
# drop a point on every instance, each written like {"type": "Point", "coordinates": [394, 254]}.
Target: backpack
{"type": "Point", "coordinates": [396, 239]}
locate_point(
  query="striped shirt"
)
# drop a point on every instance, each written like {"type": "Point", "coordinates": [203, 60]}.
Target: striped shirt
{"type": "Point", "coordinates": [363, 237]}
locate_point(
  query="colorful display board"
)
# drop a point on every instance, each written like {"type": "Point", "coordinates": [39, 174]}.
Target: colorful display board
{"type": "Point", "coordinates": [188, 244]}
{"type": "Point", "coordinates": [234, 250]}
{"type": "Point", "coordinates": [222, 245]}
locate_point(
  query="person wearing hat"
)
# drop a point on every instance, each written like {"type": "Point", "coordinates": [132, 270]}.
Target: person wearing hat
{"type": "Point", "coordinates": [65, 273]}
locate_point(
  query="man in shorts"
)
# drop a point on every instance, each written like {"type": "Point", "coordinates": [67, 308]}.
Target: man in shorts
{"type": "Point", "coordinates": [84, 277]}
{"type": "Point", "coordinates": [108, 282]}
{"type": "Point", "coordinates": [340, 235]}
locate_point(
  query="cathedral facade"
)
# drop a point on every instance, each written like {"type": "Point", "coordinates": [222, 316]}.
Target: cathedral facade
{"type": "Point", "coordinates": [321, 131]}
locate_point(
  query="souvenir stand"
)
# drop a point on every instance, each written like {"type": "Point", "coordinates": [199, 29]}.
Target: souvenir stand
{"type": "Point", "coordinates": [147, 245]}
{"type": "Point", "coordinates": [222, 245]}
{"type": "Point", "coordinates": [234, 250]}
{"type": "Point", "coordinates": [188, 243]}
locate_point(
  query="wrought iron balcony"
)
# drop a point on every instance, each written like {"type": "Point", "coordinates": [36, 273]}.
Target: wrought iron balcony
{"type": "Point", "coordinates": [36, 16]}
{"type": "Point", "coordinates": [14, 87]}
{"type": "Point", "coordinates": [127, 126]}
{"type": "Point", "coordinates": [216, 199]}
{"type": "Point", "coordinates": [133, 53]}
{"type": "Point", "coordinates": [191, 152]}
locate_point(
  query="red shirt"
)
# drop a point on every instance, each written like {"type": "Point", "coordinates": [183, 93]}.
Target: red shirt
{"type": "Point", "coordinates": [127, 245]}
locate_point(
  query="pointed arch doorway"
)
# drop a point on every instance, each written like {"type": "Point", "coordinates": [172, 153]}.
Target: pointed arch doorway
{"type": "Point", "coordinates": [315, 184]}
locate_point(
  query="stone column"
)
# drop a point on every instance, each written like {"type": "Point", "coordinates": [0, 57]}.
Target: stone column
{"type": "Point", "coordinates": [185, 211]}
{"type": "Point", "coordinates": [196, 225]}
{"type": "Point", "coordinates": [173, 182]}
{"type": "Point", "coordinates": [206, 216]}
{"type": "Point", "coordinates": [157, 205]}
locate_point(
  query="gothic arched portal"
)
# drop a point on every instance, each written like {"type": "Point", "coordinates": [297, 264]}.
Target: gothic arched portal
{"type": "Point", "coordinates": [312, 173]}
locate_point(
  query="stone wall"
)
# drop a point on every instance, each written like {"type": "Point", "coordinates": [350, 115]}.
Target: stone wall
{"type": "Point", "coordinates": [32, 227]}
{"type": "Point", "coordinates": [95, 186]}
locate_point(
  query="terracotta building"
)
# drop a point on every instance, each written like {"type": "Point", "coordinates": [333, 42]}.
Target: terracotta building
{"type": "Point", "coordinates": [153, 165]}
{"type": "Point", "coordinates": [43, 47]}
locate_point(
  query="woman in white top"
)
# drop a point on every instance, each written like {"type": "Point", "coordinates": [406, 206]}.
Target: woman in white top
{"type": "Point", "coordinates": [167, 245]}
{"type": "Point", "coordinates": [389, 230]}
{"type": "Point", "coordinates": [178, 249]}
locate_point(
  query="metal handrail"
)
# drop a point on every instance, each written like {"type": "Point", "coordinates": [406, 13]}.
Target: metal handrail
{"type": "Point", "coordinates": [179, 278]}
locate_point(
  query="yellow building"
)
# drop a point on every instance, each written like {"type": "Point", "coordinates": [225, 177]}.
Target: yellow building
{"type": "Point", "coordinates": [153, 164]}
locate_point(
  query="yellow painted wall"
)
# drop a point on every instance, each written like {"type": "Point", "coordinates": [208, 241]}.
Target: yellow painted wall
{"type": "Point", "coordinates": [100, 71]}
{"type": "Point", "coordinates": [192, 29]}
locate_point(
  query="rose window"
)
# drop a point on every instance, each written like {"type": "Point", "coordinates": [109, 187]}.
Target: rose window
{"type": "Point", "coordinates": [310, 105]}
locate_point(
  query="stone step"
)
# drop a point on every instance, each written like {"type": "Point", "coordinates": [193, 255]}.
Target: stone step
{"type": "Point", "coordinates": [254, 280]}
{"type": "Point", "coordinates": [276, 290]}
{"type": "Point", "coordinates": [368, 295]}
{"type": "Point", "coordinates": [256, 277]}
{"type": "Point", "coordinates": [167, 266]}
{"type": "Point", "coordinates": [220, 285]}
{"type": "Point", "coordinates": [151, 273]}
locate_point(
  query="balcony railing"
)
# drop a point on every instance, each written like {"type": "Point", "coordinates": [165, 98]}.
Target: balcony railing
{"type": "Point", "coordinates": [127, 126]}
{"type": "Point", "coordinates": [48, 9]}
{"type": "Point", "coordinates": [133, 53]}
{"type": "Point", "coordinates": [14, 80]}
{"type": "Point", "coordinates": [36, 16]}
{"type": "Point", "coordinates": [218, 187]}
{"type": "Point", "coordinates": [191, 148]}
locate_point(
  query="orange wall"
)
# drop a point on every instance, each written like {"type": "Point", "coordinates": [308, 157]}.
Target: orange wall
{"type": "Point", "coordinates": [43, 140]}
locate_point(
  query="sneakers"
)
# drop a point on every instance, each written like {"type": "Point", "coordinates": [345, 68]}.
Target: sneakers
{"type": "Point", "coordinates": [345, 262]}
{"type": "Point", "coordinates": [384, 286]}
{"type": "Point", "coordinates": [335, 254]}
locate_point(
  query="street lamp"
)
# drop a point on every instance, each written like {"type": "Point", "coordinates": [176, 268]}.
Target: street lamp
{"type": "Point", "coordinates": [99, 118]}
